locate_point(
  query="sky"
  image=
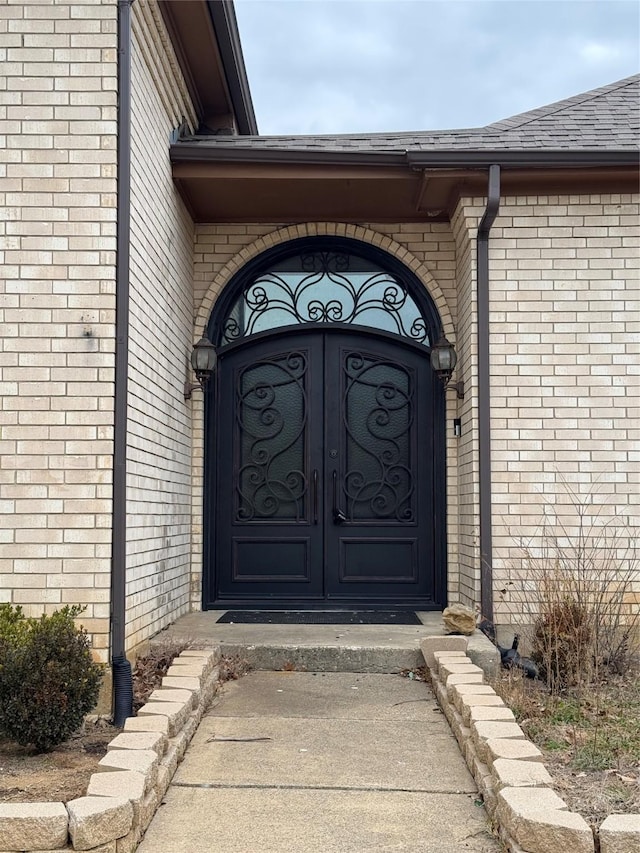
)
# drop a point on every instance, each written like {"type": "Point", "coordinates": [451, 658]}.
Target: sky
{"type": "Point", "coordinates": [366, 66]}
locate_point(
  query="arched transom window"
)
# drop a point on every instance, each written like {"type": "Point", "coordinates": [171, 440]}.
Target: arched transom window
{"type": "Point", "coordinates": [324, 283]}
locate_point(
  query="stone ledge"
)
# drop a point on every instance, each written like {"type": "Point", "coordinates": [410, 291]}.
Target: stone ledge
{"type": "Point", "coordinates": [620, 833]}
{"type": "Point", "coordinates": [95, 821]}
{"type": "Point", "coordinates": [538, 820]}
{"type": "Point", "coordinates": [508, 769]}
{"type": "Point", "coordinates": [33, 826]}
{"type": "Point", "coordinates": [133, 776]}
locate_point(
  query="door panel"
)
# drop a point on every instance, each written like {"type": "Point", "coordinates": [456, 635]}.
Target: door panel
{"type": "Point", "coordinates": [268, 543]}
{"type": "Point", "coordinates": [325, 472]}
{"type": "Point", "coordinates": [379, 540]}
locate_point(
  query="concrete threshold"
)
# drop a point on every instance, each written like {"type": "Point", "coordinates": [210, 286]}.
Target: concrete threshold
{"type": "Point", "coordinates": [324, 648]}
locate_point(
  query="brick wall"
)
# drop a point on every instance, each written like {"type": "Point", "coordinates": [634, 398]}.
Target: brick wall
{"type": "Point", "coordinates": [565, 317]}
{"type": "Point", "coordinates": [57, 232]}
{"type": "Point", "coordinates": [161, 329]}
{"type": "Point", "coordinates": [465, 223]}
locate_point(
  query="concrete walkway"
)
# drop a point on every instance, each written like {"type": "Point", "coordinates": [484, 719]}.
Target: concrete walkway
{"type": "Point", "coordinates": [327, 762]}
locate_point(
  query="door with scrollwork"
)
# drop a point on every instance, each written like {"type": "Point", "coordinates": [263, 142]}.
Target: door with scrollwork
{"type": "Point", "coordinates": [379, 533]}
{"type": "Point", "coordinates": [325, 472]}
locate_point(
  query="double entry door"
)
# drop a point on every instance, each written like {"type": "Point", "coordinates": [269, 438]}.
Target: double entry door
{"type": "Point", "coordinates": [325, 477]}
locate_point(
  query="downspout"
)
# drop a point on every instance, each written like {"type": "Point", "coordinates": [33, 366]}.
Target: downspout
{"type": "Point", "coordinates": [484, 392]}
{"type": "Point", "coordinates": [122, 679]}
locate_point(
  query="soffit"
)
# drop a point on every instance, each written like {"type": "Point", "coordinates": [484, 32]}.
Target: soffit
{"type": "Point", "coordinates": [298, 192]}
{"type": "Point", "coordinates": [205, 38]}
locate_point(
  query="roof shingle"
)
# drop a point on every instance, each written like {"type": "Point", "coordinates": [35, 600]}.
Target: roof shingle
{"type": "Point", "coordinates": [607, 118]}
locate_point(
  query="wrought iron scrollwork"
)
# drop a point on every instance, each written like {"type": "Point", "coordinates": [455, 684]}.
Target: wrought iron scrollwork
{"type": "Point", "coordinates": [272, 418]}
{"type": "Point", "coordinates": [378, 416]}
{"type": "Point", "coordinates": [324, 289]}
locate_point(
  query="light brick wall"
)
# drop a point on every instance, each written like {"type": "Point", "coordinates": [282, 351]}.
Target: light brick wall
{"type": "Point", "coordinates": [161, 329]}
{"type": "Point", "coordinates": [428, 249]}
{"type": "Point", "coordinates": [465, 223]}
{"type": "Point", "coordinates": [565, 323]}
{"type": "Point", "coordinates": [57, 233]}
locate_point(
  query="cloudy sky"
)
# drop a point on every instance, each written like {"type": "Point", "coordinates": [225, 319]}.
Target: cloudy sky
{"type": "Point", "coordinates": [341, 66]}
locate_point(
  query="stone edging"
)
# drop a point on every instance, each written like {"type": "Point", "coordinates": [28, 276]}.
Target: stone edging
{"type": "Point", "coordinates": [133, 776]}
{"type": "Point", "coordinates": [508, 769]}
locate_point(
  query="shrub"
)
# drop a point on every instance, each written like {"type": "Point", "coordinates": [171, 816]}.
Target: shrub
{"type": "Point", "coordinates": [48, 680]}
{"type": "Point", "coordinates": [579, 580]}
{"type": "Point", "coordinates": [562, 643]}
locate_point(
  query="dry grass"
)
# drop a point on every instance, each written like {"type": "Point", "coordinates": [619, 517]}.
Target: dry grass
{"type": "Point", "coordinates": [590, 738]}
{"type": "Point", "coordinates": [150, 669]}
{"type": "Point", "coordinates": [576, 591]}
{"type": "Point", "coordinates": [233, 667]}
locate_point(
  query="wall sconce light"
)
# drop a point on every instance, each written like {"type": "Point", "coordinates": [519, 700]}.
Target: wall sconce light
{"type": "Point", "coordinates": [203, 362]}
{"type": "Point", "coordinates": [443, 362]}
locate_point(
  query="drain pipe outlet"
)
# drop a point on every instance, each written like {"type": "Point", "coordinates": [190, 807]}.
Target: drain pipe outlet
{"type": "Point", "coordinates": [484, 392]}
{"type": "Point", "coordinates": [122, 679]}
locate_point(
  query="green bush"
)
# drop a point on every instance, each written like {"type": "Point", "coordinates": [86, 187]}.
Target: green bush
{"type": "Point", "coordinates": [48, 680]}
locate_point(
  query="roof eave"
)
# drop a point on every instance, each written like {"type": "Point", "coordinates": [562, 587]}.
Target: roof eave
{"type": "Point", "coordinates": [205, 37]}
{"type": "Point", "coordinates": [225, 26]}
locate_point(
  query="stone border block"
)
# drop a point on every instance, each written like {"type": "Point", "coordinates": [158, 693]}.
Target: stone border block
{"type": "Point", "coordinates": [462, 693]}
{"type": "Point", "coordinates": [195, 657]}
{"type": "Point", "coordinates": [620, 833]}
{"type": "Point", "coordinates": [95, 821]}
{"type": "Point", "coordinates": [176, 713]}
{"type": "Point", "coordinates": [430, 645]}
{"type": "Point", "coordinates": [140, 740]}
{"type": "Point", "coordinates": [180, 670]}
{"type": "Point", "coordinates": [179, 697]}
{"type": "Point", "coordinates": [143, 761]}
{"type": "Point", "coordinates": [507, 768]}
{"type": "Point", "coordinates": [128, 844]}
{"type": "Point", "coordinates": [511, 773]}
{"type": "Point", "coordinates": [107, 847]}
{"type": "Point", "coordinates": [451, 666]}
{"type": "Point", "coordinates": [183, 682]}
{"type": "Point", "coordinates": [538, 820]}
{"type": "Point", "coordinates": [119, 783]}
{"type": "Point", "coordinates": [148, 809]}
{"type": "Point", "coordinates": [520, 750]}
{"type": "Point", "coordinates": [461, 679]}
{"type": "Point", "coordinates": [495, 713]}
{"type": "Point", "coordinates": [98, 822]}
{"type": "Point", "coordinates": [148, 723]}
{"type": "Point", "coordinates": [33, 826]}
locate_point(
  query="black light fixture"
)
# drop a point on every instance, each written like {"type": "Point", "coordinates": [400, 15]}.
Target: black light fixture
{"type": "Point", "coordinates": [443, 362]}
{"type": "Point", "coordinates": [203, 362]}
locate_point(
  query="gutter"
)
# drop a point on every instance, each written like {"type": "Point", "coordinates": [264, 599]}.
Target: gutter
{"type": "Point", "coordinates": [189, 152]}
{"type": "Point", "coordinates": [484, 392]}
{"type": "Point", "coordinates": [123, 687]}
{"type": "Point", "coordinates": [523, 159]}
{"type": "Point", "coordinates": [242, 152]}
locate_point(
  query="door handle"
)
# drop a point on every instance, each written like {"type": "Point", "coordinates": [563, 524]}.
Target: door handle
{"type": "Point", "coordinates": [315, 495]}
{"type": "Point", "coordinates": [338, 516]}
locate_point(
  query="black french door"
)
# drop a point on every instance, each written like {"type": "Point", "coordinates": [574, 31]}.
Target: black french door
{"type": "Point", "coordinates": [328, 476]}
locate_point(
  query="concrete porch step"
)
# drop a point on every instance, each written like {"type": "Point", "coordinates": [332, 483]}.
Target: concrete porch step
{"type": "Point", "coordinates": [324, 648]}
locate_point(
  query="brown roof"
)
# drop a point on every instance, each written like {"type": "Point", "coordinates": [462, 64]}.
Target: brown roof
{"type": "Point", "coordinates": [607, 118]}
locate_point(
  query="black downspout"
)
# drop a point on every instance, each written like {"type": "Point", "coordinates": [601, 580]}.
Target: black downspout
{"type": "Point", "coordinates": [122, 681]}
{"type": "Point", "coordinates": [484, 393]}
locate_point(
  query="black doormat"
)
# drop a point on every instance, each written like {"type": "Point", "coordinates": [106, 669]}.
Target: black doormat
{"type": "Point", "coordinates": [320, 617]}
